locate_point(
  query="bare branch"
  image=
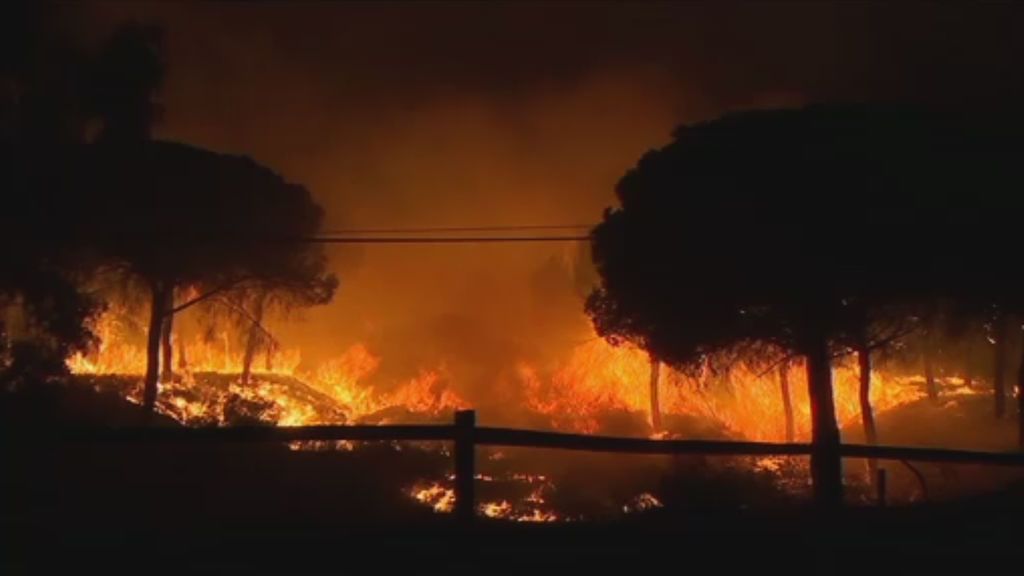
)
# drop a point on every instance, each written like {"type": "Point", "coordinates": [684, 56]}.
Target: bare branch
{"type": "Point", "coordinates": [895, 335]}
{"type": "Point", "coordinates": [785, 359]}
{"type": "Point", "coordinates": [201, 297]}
{"type": "Point", "coordinates": [250, 318]}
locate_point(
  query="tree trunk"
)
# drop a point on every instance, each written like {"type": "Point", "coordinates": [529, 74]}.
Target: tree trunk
{"type": "Point", "coordinates": [867, 413]}
{"type": "Point", "coordinates": [826, 465]}
{"type": "Point", "coordinates": [1020, 401]}
{"type": "Point", "coordinates": [787, 401]}
{"type": "Point", "coordinates": [969, 364]}
{"type": "Point", "coordinates": [167, 356]}
{"type": "Point", "coordinates": [655, 403]}
{"type": "Point", "coordinates": [182, 356]}
{"type": "Point", "coordinates": [998, 377]}
{"type": "Point", "coordinates": [157, 309]}
{"type": "Point", "coordinates": [929, 375]}
{"type": "Point", "coordinates": [253, 339]}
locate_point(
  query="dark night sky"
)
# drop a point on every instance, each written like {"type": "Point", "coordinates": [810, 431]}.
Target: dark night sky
{"type": "Point", "coordinates": [497, 113]}
{"type": "Point", "coordinates": [304, 86]}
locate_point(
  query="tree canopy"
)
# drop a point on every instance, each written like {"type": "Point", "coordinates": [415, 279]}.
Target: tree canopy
{"type": "Point", "coordinates": [41, 127]}
{"type": "Point", "coordinates": [168, 214]}
{"type": "Point", "coordinates": [789, 227]}
{"type": "Point", "coordinates": [177, 216]}
{"type": "Point", "coordinates": [753, 225]}
{"type": "Point", "coordinates": [175, 213]}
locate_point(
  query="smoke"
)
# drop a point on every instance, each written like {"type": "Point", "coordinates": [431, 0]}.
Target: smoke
{"type": "Point", "coordinates": [550, 157]}
{"type": "Point", "coordinates": [435, 115]}
{"type": "Point", "coordinates": [394, 151]}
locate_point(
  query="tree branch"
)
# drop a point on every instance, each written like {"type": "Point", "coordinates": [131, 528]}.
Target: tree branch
{"type": "Point", "coordinates": [201, 297]}
{"type": "Point", "coordinates": [880, 343]}
{"type": "Point", "coordinates": [895, 335]}
{"type": "Point", "coordinates": [774, 365]}
{"type": "Point", "coordinates": [250, 318]}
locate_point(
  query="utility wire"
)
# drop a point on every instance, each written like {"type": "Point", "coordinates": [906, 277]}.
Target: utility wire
{"type": "Point", "coordinates": [439, 229]}
{"type": "Point", "coordinates": [436, 239]}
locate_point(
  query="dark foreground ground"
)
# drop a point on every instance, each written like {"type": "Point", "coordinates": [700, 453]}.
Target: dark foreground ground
{"type": "Point", "coordinates": [249, 510]}
{"type": "Point", "coordinates": [917, 542]}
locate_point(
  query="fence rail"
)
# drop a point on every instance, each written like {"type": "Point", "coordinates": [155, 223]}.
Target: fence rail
{"type": "Point", "coordinates": [466, 435]}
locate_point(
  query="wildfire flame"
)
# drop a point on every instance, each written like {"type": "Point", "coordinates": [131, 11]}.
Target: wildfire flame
{"type": "Point", "coordinates": [280, 392]}
{"type": "Point", "coordinates": [747, 400]}
{"type": "Point", "coordinates": [532, 508]}
{"type": "Point", "coordinates": [643, 502]}
{"type": "Point", "coordinates": [438, 497]}
{"type": "Point", "coordinates": [576, 395]}
{"type": "Point", "coordinates": [596, 379]}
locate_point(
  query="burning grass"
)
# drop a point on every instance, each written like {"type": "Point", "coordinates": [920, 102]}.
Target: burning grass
{"type": "Point", "coordinates": [597, 388]}
{"type": "Point", "coordinates": [513, 497]}
{"type": "Point", "coordinates": [584, 393]}
{"type": "Point", "coordinates": [206, 390]}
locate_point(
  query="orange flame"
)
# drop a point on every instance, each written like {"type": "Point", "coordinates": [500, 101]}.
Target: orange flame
{"type": "Point", "coordinates": [280, 392]}
{"type": "Point", "coordinates": [747, 400]}
{"type": "Point", "coordinates": [576, 395]}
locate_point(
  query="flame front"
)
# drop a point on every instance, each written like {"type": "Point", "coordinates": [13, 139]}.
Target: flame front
{"type": "Point", "coordinates": [746, 399]}
{"type": "Point", "coordinates": [576, 395]}
{"type": "Point", "coordinates": [596, 381]}
{"type": "Point", "coordinates": [206, 390]}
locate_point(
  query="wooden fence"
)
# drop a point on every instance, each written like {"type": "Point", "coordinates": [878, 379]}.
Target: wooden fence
{"type": "Point", "coordinates": [466, 436]}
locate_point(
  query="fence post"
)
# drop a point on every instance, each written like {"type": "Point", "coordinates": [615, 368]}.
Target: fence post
{"type": "Point", "coordinates": [880, 482]}
{"type": "Point", "coordinates": [465, 466]}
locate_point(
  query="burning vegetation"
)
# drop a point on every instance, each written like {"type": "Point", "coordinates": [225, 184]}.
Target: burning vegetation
{"type": "Point", "coordinates": [599, 388]}
{"type": "Point", "coordinates": [205, 388]}
{"type": "Point", "coordinates": [584, 393]}
{"type": "Point", "coordinates": [721, 302]}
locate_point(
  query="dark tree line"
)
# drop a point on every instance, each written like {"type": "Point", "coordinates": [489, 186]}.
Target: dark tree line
{"type": "Point", "coordinates": [93, 192]}
{"type": "Point", "coordinates": [814, 230]}
{"type": "Point", "coordinates": [42, 119]}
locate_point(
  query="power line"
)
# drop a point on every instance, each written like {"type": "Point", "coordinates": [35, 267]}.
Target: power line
{"type": "Point", "coordinates": [439, 229]}
{"type": "Point", "coordinates": [438, 239]}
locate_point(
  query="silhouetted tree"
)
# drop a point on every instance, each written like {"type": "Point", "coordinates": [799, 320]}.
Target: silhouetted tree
{"type": "Point", "coordinates": [985, 285]}
{"type": "Point", "coordinates": [995, 286]}
{"type": "Point", "coordinates": [1000, 335]}
{"type": "Point", "coordinates": [251, 305]}
{"type": "Point", "coordinates": [878, 328]}
{"type": "Point", "coordinates": [787, 400]}
{"type": "Point", "coordinates": [997, 331]}
{"type": "Point", "coordinates": [176, 216]}
{"type": "Point", "coordinates": [41, 128]}
{"type": "Point", "coordinates": [931, 344]}
{"type": "Point", "coordinates": [654, 383]}
{"type": "Point", "coordinates": [755, 227]}
{"type": "Point", "coordinates": [255, 335]}
{"type": "Point", "coordinates": [125, 81]}
{"type": "Point", "coordinates": [867, 412]}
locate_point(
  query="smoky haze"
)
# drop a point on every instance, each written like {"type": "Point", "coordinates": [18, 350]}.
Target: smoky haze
{"type": "Point", "coordinates": [470, 114]}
